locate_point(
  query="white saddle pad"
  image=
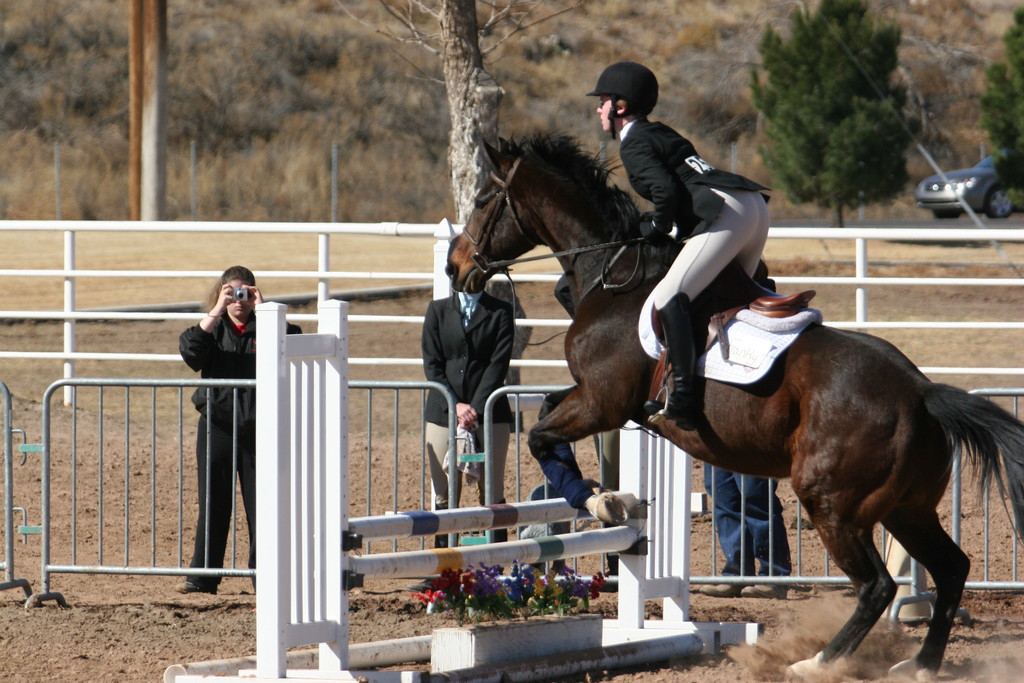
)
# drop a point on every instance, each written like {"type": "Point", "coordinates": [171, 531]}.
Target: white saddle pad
{"type": "Point", "coordinates": [755, 341]}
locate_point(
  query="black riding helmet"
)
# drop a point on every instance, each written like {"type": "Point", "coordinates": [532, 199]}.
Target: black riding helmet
{"type": "Point", "coordinates": [632, 82]}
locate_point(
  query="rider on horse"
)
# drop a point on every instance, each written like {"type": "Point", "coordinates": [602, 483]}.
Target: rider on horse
{"type": "Point", "coordinates": [723, 216]}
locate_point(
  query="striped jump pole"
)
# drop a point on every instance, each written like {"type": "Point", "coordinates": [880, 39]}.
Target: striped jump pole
{"type": "Point", "coordinates": [416, 523]}
{"type": "Point", "coordinates": [423, 562]}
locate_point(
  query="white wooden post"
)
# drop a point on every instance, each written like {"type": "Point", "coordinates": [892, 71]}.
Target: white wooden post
{"type": "Point", "coordinates": [659, 472]}
{"type": "Point", "coordinates": [334, 655]}
{"type": "Point", "coordinates": [444, 233]}
{"type": "Point", "coordinates": [302, 488]}
{"type": "Point", "coordinates": [272, 484]}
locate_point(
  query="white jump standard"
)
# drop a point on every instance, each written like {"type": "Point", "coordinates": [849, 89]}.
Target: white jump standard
{"type": "Point", "coordinates": [305, 536]}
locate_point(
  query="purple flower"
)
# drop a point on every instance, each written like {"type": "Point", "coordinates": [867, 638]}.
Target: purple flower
{"type": "Point", "coordinates": [483, 590]}
{"type": "Point", "coordinates": [580, 589]}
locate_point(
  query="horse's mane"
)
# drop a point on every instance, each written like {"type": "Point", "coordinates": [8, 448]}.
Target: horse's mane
{"type": "Point", "coordinates": [563, 156]}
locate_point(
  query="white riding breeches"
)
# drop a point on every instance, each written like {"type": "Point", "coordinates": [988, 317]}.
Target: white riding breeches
{"type": "Point", "coordinates": [737, 233]}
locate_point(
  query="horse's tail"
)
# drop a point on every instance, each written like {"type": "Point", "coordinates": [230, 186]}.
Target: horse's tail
{"type": "Point", "coordinates": [982, 430]}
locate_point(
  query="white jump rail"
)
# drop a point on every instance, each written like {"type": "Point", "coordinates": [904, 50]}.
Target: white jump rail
{"type": "Point", "coordinates": [304, 536]}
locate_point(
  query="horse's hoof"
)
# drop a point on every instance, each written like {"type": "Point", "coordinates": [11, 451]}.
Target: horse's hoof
{"type": "Point", "coordinates": [607, 507]}
{"type": "Point", "coordinates": [910, 671]}
{"type": "Point", "coordinates": [805, 668]}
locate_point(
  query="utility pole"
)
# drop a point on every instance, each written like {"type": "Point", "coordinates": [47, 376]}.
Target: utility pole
{"type": "Point", "coordinates": [147, 103]}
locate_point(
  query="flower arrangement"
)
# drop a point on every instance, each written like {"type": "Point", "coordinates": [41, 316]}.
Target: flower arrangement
{"type": "Point", "coordinates": [486, 591]}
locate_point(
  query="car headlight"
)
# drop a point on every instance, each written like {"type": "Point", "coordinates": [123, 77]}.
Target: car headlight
{"type": "Point", "coordinates": [965, 184]}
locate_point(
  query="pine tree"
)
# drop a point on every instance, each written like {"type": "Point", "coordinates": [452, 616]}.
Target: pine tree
{"type": "Point", "coordinates": [1002, 111]}
{"type": "Point", "coordinates": [833, 115]}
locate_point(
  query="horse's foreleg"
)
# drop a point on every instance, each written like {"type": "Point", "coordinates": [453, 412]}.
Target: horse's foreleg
{"type": "Point", "coordinates": [927, 542]}
{"type": "Point", "coordinates": [562, 421]}
{"type": "Point", "coordinates": [854, 553]}
{"type": "Point", "coordinates": [563, 473]}
{"type": "Point", "coordinates": [552, 401]}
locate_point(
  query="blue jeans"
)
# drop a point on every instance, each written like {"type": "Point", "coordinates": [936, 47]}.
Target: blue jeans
{"type": "Point", "coordinates": [763, 512]}
{"type": "Point", "coordinates": [563, 473]}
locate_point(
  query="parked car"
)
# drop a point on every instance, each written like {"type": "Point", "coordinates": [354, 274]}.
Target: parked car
{"type": "Point", "coordinates": [978, 185]}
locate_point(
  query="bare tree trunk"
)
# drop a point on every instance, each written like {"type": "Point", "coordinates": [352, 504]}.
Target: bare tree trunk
{"type": "Point", "coordinates": [473, 101]}
{"type": "Point", "coordinates": [836, 216]}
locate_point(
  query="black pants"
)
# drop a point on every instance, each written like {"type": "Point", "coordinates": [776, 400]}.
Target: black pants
{"type": "Point", "coordinates": [215, 500]}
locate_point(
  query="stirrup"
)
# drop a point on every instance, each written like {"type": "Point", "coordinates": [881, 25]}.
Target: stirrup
{"type": "Point", "coordinates": [652, 408]}
{"type": "Point", "coordinates": [657, 412]}
{"type": "Point", "coordinates": [686, 418]}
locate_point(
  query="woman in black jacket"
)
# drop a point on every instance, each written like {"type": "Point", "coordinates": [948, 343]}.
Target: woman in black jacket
{"type": "Point", "coordinates": [223, 346]}
{"type": "Point", "coordinates": [724, 216]}
{"type": "Point", "coordinates": [467, 347]}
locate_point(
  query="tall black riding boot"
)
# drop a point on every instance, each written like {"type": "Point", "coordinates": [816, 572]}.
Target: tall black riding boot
{"type": "Point", "coordinates": [683, 404]}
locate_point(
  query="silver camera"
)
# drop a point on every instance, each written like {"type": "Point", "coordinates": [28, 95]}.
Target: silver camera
{"type": "Point", "coordinates": [240, 294]}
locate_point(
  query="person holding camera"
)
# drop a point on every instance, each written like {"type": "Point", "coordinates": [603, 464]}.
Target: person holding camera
{"type": "Point", "coordinates": [223, 346]}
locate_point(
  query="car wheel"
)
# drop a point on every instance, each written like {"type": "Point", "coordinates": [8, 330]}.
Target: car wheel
{"type": "Point", "coordinates": [997, 204]}
{"type": "Point", "coordinates": [947, 213]}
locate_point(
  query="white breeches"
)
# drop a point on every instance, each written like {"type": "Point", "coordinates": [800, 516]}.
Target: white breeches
{"type": "Point", "coordinates": [738, 233]}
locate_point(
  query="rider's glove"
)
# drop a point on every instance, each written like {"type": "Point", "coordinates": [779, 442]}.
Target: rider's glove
{"type": "Point", "coordinates": [648, 227]}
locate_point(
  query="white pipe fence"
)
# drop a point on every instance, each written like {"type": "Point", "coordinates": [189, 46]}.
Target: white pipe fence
{"type": "Point", "coordinates": [322, 277]}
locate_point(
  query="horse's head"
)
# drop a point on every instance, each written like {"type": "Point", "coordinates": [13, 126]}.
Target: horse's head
{"type": "Point", "coordinates": [495, 230]}
{"type": "Point", "coordinates": [544, 190]}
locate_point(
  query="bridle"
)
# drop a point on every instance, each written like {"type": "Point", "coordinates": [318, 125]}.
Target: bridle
{"type": "Point", "coordinates": [496, 200]}
{"type": "Point", "coordinates": [502, 194]}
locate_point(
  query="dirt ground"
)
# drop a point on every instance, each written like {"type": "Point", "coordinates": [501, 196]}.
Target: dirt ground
{"type": "Point", "coordinates": [130, 628]}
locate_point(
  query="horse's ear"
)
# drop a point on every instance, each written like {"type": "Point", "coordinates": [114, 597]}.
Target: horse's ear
{"type": "Point", "coordinates": [493, 155]}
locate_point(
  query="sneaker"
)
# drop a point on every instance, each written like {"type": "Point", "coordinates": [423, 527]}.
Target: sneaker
{"type": "Point", "coordinates": [770, 592]}
{"type": "Point", "coordinates": [187, 587]}
{"type": "Point", "coordinates": [607, 507]}
{"type": "Point", "coordinates": [721, 590]}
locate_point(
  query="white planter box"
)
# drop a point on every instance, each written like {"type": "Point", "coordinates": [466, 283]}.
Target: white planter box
{"type": "Point", "coordinates": [466, 646]}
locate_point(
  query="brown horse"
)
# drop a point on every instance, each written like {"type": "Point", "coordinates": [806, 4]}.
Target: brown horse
{"type": "Point", "coordinates": [863, 435]}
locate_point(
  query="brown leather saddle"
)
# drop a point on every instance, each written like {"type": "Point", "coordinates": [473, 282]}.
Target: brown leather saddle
{"type": "Point", "coordinates": [731, 291]}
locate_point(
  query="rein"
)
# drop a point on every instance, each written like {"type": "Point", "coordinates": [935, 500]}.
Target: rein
{"type": "Point", "coordinates": [504, 264]}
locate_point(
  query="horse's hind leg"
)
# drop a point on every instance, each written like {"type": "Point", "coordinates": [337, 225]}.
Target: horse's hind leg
{"type": "Point", "coordinates": [854, 552]}
{"type": "Point", "coordinates": [928, 543]}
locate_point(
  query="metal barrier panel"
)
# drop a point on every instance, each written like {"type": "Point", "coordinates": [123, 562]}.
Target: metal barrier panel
{"type": "Point", "coordinates": [998, 550]}
{"type": "Point", "coordinates": [124, 503]}
{"type": "Point", "coordinates": [380, 457]}
{"type": "Point", "coordinates": [7, 561]}
{"type": "Point", "coordinates": [118, 476]}
{"type": "Point", "coordinates": [118, 473]}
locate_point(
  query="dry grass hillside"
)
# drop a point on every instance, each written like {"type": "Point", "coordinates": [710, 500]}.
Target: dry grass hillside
{"type": "Point", "coordinates": [263, 88]}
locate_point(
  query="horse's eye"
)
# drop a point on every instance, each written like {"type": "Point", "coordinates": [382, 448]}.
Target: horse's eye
{"type": "Point", "coordinates": [484, 198]}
